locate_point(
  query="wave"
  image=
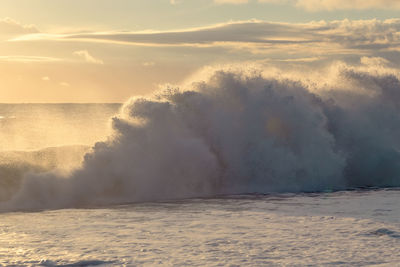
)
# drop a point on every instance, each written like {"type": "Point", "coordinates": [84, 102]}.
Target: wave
{"type": "Point", "coordinates": [15, 165]}
{"type": "Point", "coordinates": [237, 132]}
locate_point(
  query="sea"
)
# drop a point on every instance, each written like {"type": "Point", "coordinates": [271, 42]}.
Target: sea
{"type": "Point", "coordinates": [46, 220]}
{"type": "Point", "coordinates": [348, 228]}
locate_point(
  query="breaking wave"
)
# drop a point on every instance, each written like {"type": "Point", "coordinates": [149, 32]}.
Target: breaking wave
{"type": "Point", "coordinates": [236, 132]}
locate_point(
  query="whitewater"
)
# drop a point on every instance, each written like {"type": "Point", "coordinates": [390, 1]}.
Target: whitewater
{"type": "Point", "coordinates": [239, 165]}
{"type": "Point", "coordinates": [348, 228]}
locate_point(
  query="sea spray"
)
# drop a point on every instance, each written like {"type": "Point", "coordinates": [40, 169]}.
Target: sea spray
{"type": "Point", "coordinates": [236, 132]}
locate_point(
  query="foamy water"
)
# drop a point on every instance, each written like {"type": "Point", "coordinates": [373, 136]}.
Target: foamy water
{"type": "Point", "coordinates": [354, 228]}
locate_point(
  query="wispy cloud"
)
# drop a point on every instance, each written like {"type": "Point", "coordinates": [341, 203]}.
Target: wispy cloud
{"type": "Point", "coordinates": [315, 5]}
{"type": "Point", "coordinates": [334, 36]}
{"type": "Point", "coordinates": [242, 31]}
{"type": "Point", "coordinates": [318, 5]}
{"type": "Point", "coordinates": [10, 27]}
{"type": "Point", "coordinates": [149, 64]}
{"type": "Point", "coordinates": [175, 2]}
{"type": "Point", "coordinates": [235, 2]}
{"type": "Point", "coordinates": [64, 84]}
{"type": "Point", "coordinates": [28, 59]}
{"type": "Point", "coordinates": [85, 55]}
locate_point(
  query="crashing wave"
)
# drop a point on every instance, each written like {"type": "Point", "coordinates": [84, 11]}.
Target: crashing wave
{"type": "Point", "coordinates": [237, 132]}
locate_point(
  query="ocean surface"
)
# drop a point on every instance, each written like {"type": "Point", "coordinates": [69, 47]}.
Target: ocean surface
{"type": "Point", "coordinates": [349, 228]}
{"type": "Point", "coordinates": [239, 170]}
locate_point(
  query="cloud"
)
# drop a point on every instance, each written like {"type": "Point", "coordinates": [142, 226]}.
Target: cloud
{"type": "Point", "coordinates": [274, 1]}
{"type": "Point", "coordinates": [45, 78]}
{"type": "Point", "coordinates": [305, 59]}
{"type": "Point", "coordinates": [374, 61]}
{"type": "Point", "coordinates": [64, 84]}
{"type": "Point", "coordinates": [88, 57]}
{"type": "Point", "coordinates": [343, 36]}
{"type": "Point", "coordinates": [315, 5]}
{"type": "Point", "coordinates": [330, 5]}
{"type": "Point", "coordinates": [235, 2]}
{"type": "Point", "coordinates": [10, 27]}
{"type": "Point", "coordinates": [28, 59]}
{"type": "Point", "coordinates": [149, 64]}
{"type": "Point", "coordinates": [253, 31]}
{"type": "Point", "coordinates": [219, 2]}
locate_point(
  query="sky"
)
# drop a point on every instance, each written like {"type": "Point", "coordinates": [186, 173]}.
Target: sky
{"type": "Point", "coordinates": [108, 50]}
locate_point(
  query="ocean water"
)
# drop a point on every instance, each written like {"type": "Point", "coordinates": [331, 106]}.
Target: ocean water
{"type": "Point", "coordinates": [238, 169]}
{"type": "Point", "coordinates": [37, 126]}
{"type": "Point", "coordinates": [349, 228]}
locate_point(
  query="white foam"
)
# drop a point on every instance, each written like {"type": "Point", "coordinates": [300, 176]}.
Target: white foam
{"type": "Point", "coordinates": [237, 132]}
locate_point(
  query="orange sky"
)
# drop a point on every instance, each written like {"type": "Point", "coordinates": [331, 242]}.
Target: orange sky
{"type": "Point", "coordinates": [107, 51]}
